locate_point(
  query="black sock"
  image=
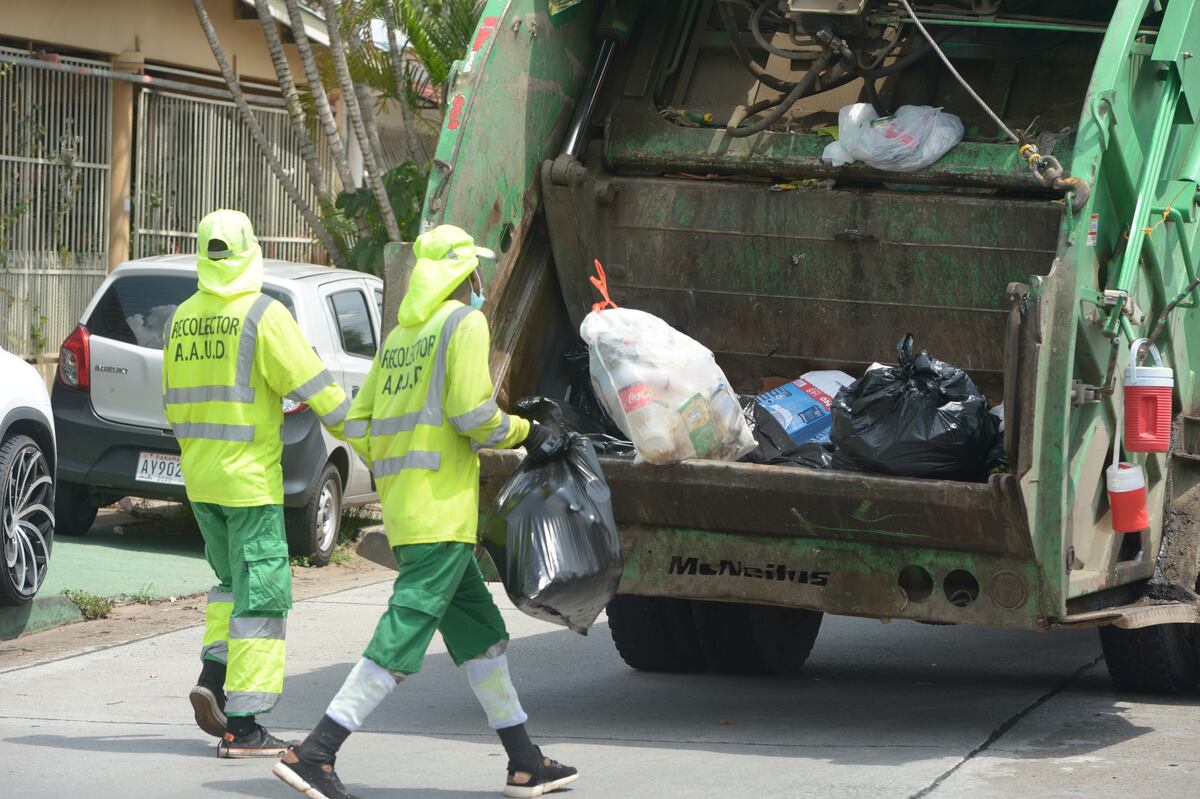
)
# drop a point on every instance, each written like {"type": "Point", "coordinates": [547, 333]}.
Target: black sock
{"type": "Point", "coordinates": [212, 674]}
{"type": "Point", "coordinates": [522, 754]}
{"type": "Point", "coordinates": [323, 743]}
{"type": "Point", "coordinates": [241, 726]}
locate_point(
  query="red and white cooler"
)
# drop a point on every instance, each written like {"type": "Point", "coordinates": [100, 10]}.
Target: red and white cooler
{"type": "Point", "coordinates": [1147, 403]}
{"type": "Point", "coordinates": [1127, 497]}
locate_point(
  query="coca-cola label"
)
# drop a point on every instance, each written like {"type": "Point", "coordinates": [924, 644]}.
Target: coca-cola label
{"type": "Point", "coordinates": [634, 397]}
{"type": "Point", "coordinates": [814, 392]}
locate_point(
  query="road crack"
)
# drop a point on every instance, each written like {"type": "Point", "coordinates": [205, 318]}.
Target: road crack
{"type": "Point", "coordinates": [1004, 728]}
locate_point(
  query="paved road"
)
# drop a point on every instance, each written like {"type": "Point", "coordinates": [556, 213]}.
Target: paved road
{"type": "Point", "coordinates": [898, 710]}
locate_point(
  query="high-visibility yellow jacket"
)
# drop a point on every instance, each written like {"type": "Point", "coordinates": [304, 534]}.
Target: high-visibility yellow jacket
{"type": "Point", "coordinates": [423, 411]}
{"type": "Point", "coordinates": [230, 354]}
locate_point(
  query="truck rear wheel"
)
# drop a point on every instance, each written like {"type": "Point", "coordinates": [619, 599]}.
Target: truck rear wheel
{"type": "Point", "coordinates": [740, 638]}
{"type": "Point", "coordinates": [655, 633]}
{"type": "Point", "coordinates": [784, 636]}
{"type": "Point", "coordinates": [1154, 660]}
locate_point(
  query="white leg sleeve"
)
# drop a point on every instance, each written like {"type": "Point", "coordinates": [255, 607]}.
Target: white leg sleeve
{"type": "Point", "coordinates": [363, 690]}
{"type": "Point", "coordinates": [493, 688]}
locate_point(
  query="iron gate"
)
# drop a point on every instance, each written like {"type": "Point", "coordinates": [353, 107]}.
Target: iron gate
{"type": "Point", "coordinates": [55, 151]}
{"type": "Point", "coordinates": [195, 155]}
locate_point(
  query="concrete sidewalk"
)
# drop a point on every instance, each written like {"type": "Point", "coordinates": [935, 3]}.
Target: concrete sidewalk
{"type": "Point", "coordinates": [899, 710]}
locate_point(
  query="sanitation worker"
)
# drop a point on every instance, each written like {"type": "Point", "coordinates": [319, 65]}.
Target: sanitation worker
{"type": "Point", "coordinates": [230, 354]}
{"type": "Point", "coordinates": [424, 409]}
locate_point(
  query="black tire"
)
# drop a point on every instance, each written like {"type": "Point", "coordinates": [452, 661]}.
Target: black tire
{"type": "Point", "coordinates": [655, 634]}
{"type": "Point", "coordinates": [26, 523]}
{"type": "Point", "coordinates": [784, 636]}
{"type": "Point", "coordinates": [1153, 660]}
{"type": "Point", "coordinates": [74, 510]}
{"type": "Point", "coordinates": [726, 636]}
{"type": "Point", "coordinates": [312, 530]}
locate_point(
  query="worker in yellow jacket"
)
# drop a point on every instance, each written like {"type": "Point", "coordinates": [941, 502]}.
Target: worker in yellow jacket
{"type": "Point", "coordinates": [230, 354]}
{"type": "Point", "coordinates": [424, 409]}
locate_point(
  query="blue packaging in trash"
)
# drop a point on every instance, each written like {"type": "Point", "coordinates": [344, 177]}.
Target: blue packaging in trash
{"type": "Point", "coordinates": [803, 406]}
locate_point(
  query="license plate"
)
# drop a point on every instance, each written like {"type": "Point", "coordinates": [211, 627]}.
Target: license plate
{"type": "Point", "coordinates": [159, 467]}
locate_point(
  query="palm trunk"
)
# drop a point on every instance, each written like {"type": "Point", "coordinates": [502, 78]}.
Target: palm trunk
{"type": "Point", "coordinates": [260, 138]}
{"type": "Point", "coordinates": [412, 139]}
{"type": "Point", "coordinates": [337, 148]}
{"type": "Point", "coordinates": [316, 175]}
{"type": "Point", "coordinates": [337, 49]}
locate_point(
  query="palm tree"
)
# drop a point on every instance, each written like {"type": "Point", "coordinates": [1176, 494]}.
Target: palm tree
{"type": "Point", "coordinates": [320, 99]}
{"type": "Point", "coordinates": [412, 138]}
{"type": "Point", "coordinates": [337, 49]}
{"type": "Point", "coordinates": [260, 138]}
{"type": "Point", "coordinates": [287, 85]}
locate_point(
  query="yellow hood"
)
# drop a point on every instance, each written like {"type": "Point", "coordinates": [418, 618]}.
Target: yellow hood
{"type": "Point", "coordinates": [445, 257]}
{"type": "Point", "coordinates": [240, 271]}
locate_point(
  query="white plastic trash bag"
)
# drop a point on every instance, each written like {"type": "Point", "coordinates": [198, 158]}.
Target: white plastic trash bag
{"type": "Point", "coordinates": [663, 389]}
{"type": "Point", "coordinates": [913, 138]}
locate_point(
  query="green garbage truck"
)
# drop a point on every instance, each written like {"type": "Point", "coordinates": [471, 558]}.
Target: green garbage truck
{"type": "Point", "coordinates": [680, 143]}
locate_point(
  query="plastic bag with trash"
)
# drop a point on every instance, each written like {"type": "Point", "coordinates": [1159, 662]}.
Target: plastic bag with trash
{"type": "Point", "coordinates": [923, 418]}
{"type": "Point", "coordinates": [913, 138]}
{"type": "Point", "coordinates": [551, 534]}
{"type": "Point", "coordinates": [663, 389]}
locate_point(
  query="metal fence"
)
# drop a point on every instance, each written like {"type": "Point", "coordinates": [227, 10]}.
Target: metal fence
{"type": "Point", "coordinates": [55, 150]}
{"type": "Point", "coordinates": [195, 155]}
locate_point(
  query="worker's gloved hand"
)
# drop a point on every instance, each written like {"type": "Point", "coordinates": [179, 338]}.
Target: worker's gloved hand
{"type": "Point", "coordinates": [543, 444]}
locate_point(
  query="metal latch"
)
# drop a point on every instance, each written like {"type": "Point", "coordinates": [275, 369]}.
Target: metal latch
{"type": "Point", "coordinates": [1115, 298]}
{"type": "Point", "coordinates": [1084, 394]}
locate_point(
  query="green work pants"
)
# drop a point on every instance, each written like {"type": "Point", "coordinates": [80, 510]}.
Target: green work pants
{"type": "Point", "coordinates": [439, 588]}
{"type": "Point", "coordinates": [246, 619]}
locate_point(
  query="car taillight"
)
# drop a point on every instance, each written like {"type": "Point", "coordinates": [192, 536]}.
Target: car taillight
{"type": "Point", "coordinates": [291, 407]}
{"type": "Point", "coordinates": [74, 361]}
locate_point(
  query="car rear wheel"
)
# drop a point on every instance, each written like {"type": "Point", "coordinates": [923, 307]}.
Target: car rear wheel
{"type": "Point", "coordinates": [74, 510]}
{"type": "Point", "coordinates": [26, 519]}
{"type": "Point", "coordinates": [312, 531]}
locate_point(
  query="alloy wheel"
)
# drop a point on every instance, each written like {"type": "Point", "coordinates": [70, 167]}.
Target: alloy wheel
{"type": "Point", "coordinates": [27, 519]}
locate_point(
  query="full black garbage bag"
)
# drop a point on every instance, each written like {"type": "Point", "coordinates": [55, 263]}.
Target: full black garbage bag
{"type": "Point", "coordinates": [562, 419]}
{"type": "Point", "coordinates": [551, 534]}
{"type": "Point", "coordinates": [580, 393]}
{"type": "Point", "coordinates": [922, 418]}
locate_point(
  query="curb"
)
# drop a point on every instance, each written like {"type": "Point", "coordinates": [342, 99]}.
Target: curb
{"type": "Point", "coordinates": [40, 614]}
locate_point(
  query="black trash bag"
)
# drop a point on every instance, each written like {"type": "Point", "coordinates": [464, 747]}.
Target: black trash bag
{"type": "Point", "coordinates": [551, 534]}
{"type": "Point", "coordinates": [582, 395]}
{"type": "Point", "coordinates": [775, 446]}
{"type": "Point", "coordinates": [564, 419]}
{"type": "Point", "coordinates": [923, 418]}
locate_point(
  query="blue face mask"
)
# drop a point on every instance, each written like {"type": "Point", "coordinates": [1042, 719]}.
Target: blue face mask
{"type": "Point", "coordinates": [477, 301]}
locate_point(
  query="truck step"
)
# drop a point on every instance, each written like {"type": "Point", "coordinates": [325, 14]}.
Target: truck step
{"type": "Point", "coordinates": [1131, 617]}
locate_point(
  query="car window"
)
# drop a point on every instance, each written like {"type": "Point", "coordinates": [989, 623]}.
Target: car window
{"type": "Point", "coordinates": [354, 323]}
{"type": "Point", "coordinates": [135, 308]}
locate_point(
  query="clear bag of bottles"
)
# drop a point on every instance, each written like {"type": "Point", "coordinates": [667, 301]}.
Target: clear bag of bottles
{"type": "Point", "coordinates": [663, 389]}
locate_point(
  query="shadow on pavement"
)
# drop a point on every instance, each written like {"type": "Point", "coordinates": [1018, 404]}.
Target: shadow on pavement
{"type": "Point", "coordinates": [270, 786]}
{"type": "Point", "coordinates": [121, 744]}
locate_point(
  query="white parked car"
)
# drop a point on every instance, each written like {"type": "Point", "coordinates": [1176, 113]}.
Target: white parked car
{"type": "Point", "coordinates": [27, 457]}
{"type": "Point", "coordinates": [108, 408]}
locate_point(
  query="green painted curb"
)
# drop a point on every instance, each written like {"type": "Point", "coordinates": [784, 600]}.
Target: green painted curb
{"type": "Point", "coordinates": [40, 614]}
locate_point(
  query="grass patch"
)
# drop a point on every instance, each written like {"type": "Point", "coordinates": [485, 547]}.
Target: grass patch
{"type": "Point", "coordinates": [303, 561]}
{"type": "Point", "coordinates": [91, 606]}
{"type": "Point", "coordinates": [145, 596]}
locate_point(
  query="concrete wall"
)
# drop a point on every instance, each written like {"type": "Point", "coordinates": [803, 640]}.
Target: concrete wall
{"type": "Point", "coordinates": [164, 31]}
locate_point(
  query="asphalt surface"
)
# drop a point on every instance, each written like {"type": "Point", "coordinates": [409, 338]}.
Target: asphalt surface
{"type": "Point", "coordinates": [897, 710]}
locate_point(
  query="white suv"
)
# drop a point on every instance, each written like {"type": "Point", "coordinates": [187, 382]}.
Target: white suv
{"type": "Point", "coordinates": [108, 409]}
{"type": "Point", "coordinates": [26, 480]}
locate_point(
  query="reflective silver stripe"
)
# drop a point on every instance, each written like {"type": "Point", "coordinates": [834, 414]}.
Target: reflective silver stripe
{"type": "Point", "coordinates": [215, 432]}
{"type": "Point", "coordinates": [214, 255]}
{"type": "Point", "coordinates": [218, 650]}
{"type": "Point", "coordinates": [319, 383]}
{"type": "Point", "coordinates": [217, 595]}
{"type": "Point", "coordinates": [500, 433]}
{"type": "Point", "coordinates": [337, 415]}
{"type": "Point", "coordinates": [249, 338]}
{"type": "Point", "coordinates": [466, 422]}
{"type": "Point", "coordinates": [185, 396]}
{"type": "Point", "coordinates": [256, 627]}
{"type": "Point", "coordinates": [247, 703]}
{"type": "Point", "coordinates": [357, 428]}
{"type": "Point", "coordinates": [431, 413]}
{"type": "Point", "coordinates": [387, 467]}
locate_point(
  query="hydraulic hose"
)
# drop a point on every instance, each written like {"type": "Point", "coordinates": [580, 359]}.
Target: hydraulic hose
{"type": "Point", "coordinates": [756, 30]}
{"type": "Point", "coordinates": [731, 30]}
{"type": "Point", "coordinates": [783, 106]}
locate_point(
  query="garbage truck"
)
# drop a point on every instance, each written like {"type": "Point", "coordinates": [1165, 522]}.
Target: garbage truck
{"type": "Point", "coordinates": [680, 144]}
